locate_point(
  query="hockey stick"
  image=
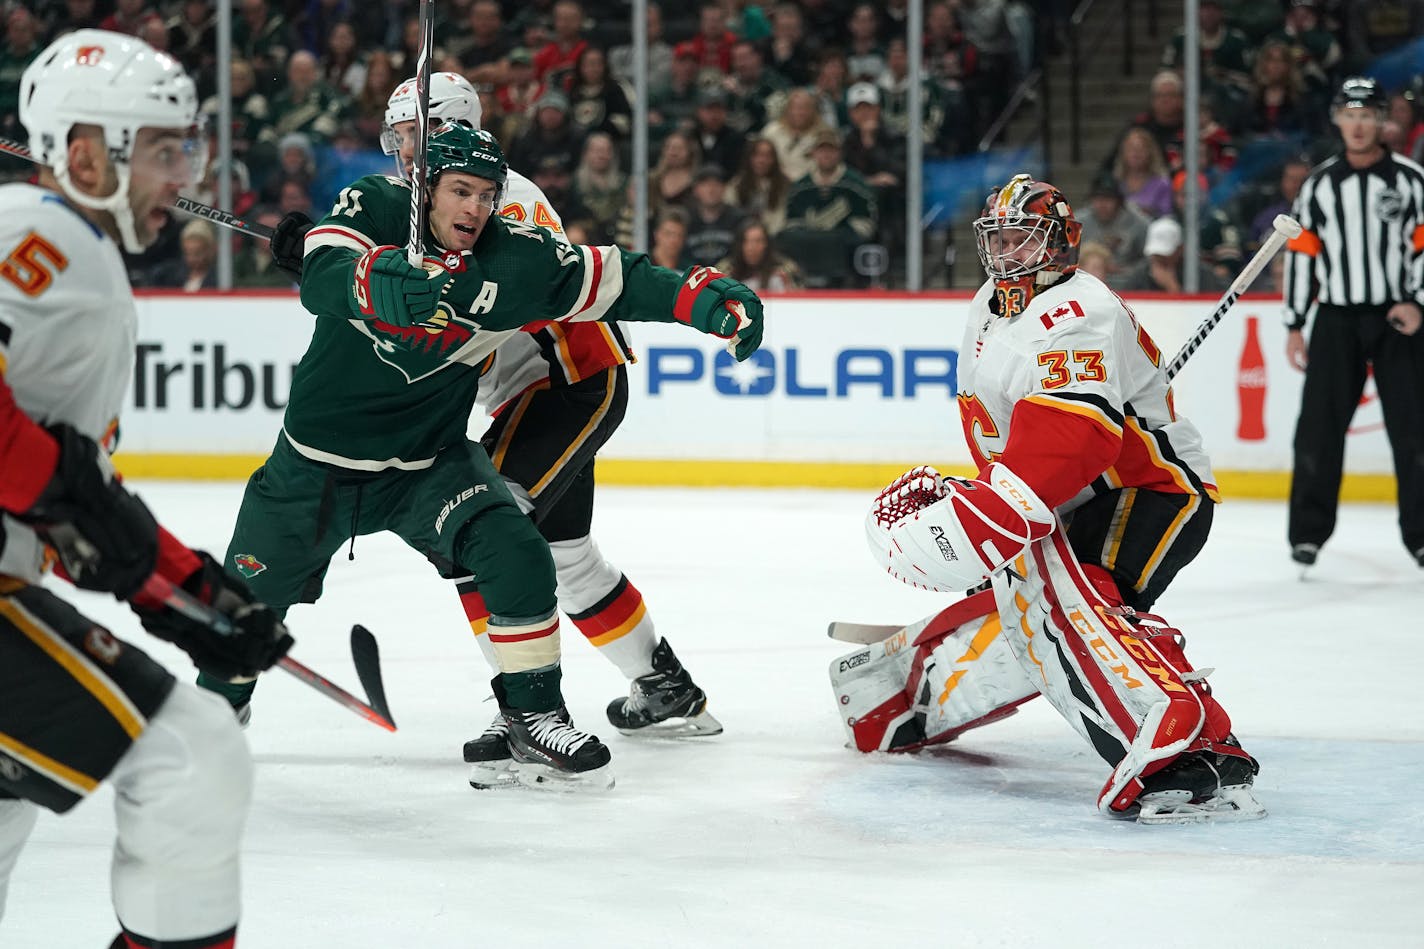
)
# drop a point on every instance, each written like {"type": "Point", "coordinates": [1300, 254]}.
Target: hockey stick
{"type": "Point", "coordinates": [179, 600]}
{"type": "Point", "coordinates": [1283, 228]}
{"type": "Point", "coordinates": [366, 656]}
{"type": "Point", "coordinates": [861, 634]}
{"type": "Point", "coordinates": [186, 205]}
{"type": "Point", "coordinates": [415, 247]}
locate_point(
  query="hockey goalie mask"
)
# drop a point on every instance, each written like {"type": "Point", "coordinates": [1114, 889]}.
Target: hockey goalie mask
{"type": "Point", "coordinates": [1027, 229]}
{"type": "Point", "coordinates": [121, 85]}
{"type": "Point", "coordinates": [452, 98]}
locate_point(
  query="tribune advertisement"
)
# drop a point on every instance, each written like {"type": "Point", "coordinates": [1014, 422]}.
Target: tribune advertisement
{"type": "Point", "coordinates": [857, 379]}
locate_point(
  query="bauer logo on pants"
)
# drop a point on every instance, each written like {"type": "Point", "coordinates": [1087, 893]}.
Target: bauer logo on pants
{"type": "Point", "coordinates": [248, 565]}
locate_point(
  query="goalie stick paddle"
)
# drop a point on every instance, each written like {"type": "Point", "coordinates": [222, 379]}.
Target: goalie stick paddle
{"type": "Point", "coordinates": [861, 634]}
{"type": "Point", "coordinates": [186, 205]}
{"type": "Point", "coordinates": [1283, 229]}
{"type": "Point", "coordinates": [366, 656]}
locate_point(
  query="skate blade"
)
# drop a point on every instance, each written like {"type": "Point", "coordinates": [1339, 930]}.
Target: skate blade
{"type": "Point", "coordinates": [542, 777]}
{"type": "Point", "coordinates": [702, 725]}
{"type": "Point", "coordinates": [488, 777]}
{"type": "Point", "coordinates": [1230, 804]}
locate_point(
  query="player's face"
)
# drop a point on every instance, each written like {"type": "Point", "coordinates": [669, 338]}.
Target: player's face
{"type": "Point", "coordinates": [165, 161]}
{"type": "Point", "coordinates": [460, 206]}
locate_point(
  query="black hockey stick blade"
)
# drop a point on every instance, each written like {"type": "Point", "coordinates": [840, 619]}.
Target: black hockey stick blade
{"type": "Point", "coordinates": [366, 656]}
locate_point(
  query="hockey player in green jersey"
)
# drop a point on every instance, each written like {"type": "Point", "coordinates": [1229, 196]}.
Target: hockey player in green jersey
{"type": "Point", "coordinates": [374, 433]}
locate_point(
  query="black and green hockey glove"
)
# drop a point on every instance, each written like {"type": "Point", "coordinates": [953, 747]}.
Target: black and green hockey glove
{"type": "Point", "coordinates": [386, 287]}
{"type": "Point", "coordinates": [712, 302]}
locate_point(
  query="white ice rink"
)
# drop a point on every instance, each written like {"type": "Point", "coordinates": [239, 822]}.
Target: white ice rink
{"type": "Point", "coordinates": [775, 834]}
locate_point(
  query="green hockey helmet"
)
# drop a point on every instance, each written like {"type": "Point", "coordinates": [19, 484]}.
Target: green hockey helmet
{"type": "Point", "coordinates": [459, 146]}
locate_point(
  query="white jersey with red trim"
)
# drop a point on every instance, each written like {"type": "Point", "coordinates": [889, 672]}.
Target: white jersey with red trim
{"type": "Point", "coordinates": [1071, 394]}
{"type": "Point", "coordinates": [575, 350]}
{"type": "Point", "coordinates": [67, 330]}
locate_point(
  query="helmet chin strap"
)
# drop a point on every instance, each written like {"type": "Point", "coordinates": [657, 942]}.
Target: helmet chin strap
{"type": "Point", "coordinates": [117, 204]}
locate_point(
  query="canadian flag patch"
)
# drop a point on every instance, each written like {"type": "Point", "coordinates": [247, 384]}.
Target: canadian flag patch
{"type": "Point", "coordinates": [1061, 312]}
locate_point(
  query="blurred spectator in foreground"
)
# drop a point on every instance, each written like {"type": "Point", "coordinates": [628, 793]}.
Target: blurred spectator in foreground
{"type": "Point", "coordinates": [895, 96]}
{"type": "Point", "coordinates": [620, 58]}
{"type": "Point", "coordinates": [711, 223]}
{"type": "Point", "coordinates": [672, 106]}
{"type": "Point", "coordinates": [713, 42]}
{"type": "Point", "coordinates": [760, 188]}
{"type": "Point", "coordinates": [829, 87]}
{"type": "Point", "coordinates": [1280, 105]}
{"type": "Point", "coordinates": [596, 102]}
{"type": "Point", "coordinates": [1114, 224]}
{"type": "Point", "coordinates": [343, 67]}
{"type": "Point", "coordinates": [250, 115]}
{"type": "Point", "coordinates": [295, 197]}
{"type": "Point", "coordinates": [755, 262]}
{"type": "Point", "coordinates": [670, 239]}
{"type": "Point", "coordinates": [1141, 174]}
{"type": "Point", "coordinates": [296, 161]}
{"type": "Point", "coordinates": [795, 132]}
{"type": "Point", "coordinates": [879, 158]}
{"type": "Point", "coordinates": [369, 107]}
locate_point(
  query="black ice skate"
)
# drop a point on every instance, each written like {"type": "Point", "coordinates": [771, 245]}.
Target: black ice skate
{"type": "Point", "coordinates": [1202, 786]}
{"type": "Point", "coordinates": [489, 754]}
{"type": "Point", "coordinates": [665, 703]}
{"type": "Point", "coordinates": [548, 751]}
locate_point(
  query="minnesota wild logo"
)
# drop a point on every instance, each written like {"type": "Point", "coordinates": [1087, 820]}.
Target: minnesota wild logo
{"type": "Point", "coordinates": [248, 565]}
{"type": "Point", "coordinates": [419, 350]}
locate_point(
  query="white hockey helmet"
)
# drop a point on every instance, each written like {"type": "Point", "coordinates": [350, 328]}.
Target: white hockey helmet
{"type": "Point", "coordinates": [451, 98]}
{"type": "Point", "coordinates": [120, 84]}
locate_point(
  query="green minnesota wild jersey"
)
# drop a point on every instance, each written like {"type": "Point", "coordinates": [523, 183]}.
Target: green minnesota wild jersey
{"type": "Point", "coordinates": [369, 395]}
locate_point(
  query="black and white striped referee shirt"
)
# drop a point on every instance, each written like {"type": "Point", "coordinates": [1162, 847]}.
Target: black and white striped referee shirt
{"type": "Point", "coordinates": [1363, 237]}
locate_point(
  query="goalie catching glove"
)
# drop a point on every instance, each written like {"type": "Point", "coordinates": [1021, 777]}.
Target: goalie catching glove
{"type": "Point", "coordinates": [385, 286]}
{"type": "Point", "coordinates": [950, 534]}
{"type": "Point", "coordinates": [712, 302]}
{"type": "Point", "coordinates": [258, 638]}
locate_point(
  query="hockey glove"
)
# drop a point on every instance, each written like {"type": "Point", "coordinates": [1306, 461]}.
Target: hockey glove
{"type": "Point", "coordinates": [105, 536]}
{"type": "Point", "coordinates": [258, 638]}
{"type": "Point", "coordinates": [960, 538]}
{"type": "Point", "coordinates": [711, 302]}
{"type": "Point", "coordinates": [288, 242]}
{"type": "Point", "coordinates": [386, 287]}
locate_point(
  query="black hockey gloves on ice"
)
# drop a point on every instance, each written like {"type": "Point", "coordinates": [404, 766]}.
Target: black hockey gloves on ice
{"type": "Point", "coordinates": [714, 303]}
{"type": "Point", "coordinates": [388, 288]}
{"type": "Point", "coordinates": [105, 536]}
{"type": "Point", "coordinates": [256, 641]}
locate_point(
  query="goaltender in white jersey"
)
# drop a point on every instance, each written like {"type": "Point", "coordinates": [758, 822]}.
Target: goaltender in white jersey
{"type": "Point", "coordinates": [111, 124]}
{"type": "Point", "coordinates": [1092, 494]}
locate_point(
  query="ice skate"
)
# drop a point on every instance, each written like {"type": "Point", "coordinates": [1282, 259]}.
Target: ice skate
{"type": "Point", "coordinates": [665, 703]}
{"type": "Point", "coordinates": [493, 764]}
{"type": "Point", "coordinates": [1201, 786]}
{"type": "Point", "coordinates": [548, 752]}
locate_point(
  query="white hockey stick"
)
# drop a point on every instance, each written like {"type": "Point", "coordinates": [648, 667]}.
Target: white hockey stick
{"type": "Point", "coordinates": [1284, 228]}
{"type": "Point", "coordinates": [862, 634]}
{"type": "Point", "coordinates": [415, 247]}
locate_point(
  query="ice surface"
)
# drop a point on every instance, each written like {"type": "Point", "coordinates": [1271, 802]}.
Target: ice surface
{"type": "Point", "coordinates": [775, 834]}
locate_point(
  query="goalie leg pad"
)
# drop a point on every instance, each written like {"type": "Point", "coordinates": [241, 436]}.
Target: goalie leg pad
{"type": "Point", "coordinates": [1111, 683]}
{"type": "Point", "coordinates": [931, 681]}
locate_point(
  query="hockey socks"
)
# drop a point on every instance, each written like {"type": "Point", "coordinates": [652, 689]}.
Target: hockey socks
{"type": "Point", "coordinates": [222, 940]}
{"type": "Point", "coordinates": [619, 625]}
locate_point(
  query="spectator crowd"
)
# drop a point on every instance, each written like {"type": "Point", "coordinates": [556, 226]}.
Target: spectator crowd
{"type": "Point", "coordinates": [777, 133]}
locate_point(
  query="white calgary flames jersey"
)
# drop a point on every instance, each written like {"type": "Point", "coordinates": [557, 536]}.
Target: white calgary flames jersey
{"type": "Point", "coordinates": [578, 348]}
{"type": "Point", "coordinates": [1072, 395]}
{"type": "Point", "coordinates": [67, 329]}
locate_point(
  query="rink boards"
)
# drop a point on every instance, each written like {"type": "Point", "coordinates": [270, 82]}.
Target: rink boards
{"type": "Point", "coordinates": [846, 391]}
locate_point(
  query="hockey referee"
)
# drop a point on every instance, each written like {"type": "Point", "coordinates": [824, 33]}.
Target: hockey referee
{"type": "Point", "coordinates": [1360, 262]}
